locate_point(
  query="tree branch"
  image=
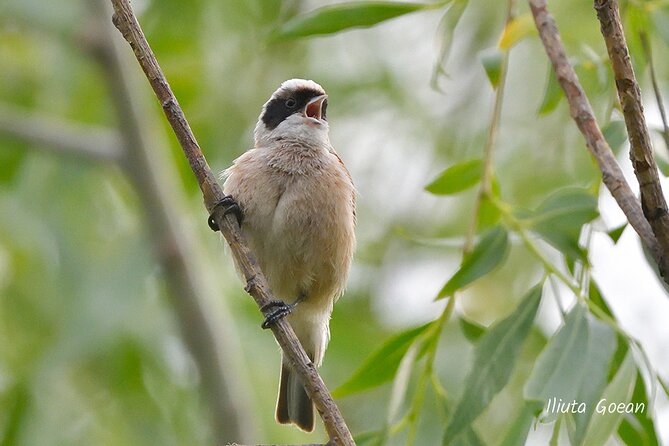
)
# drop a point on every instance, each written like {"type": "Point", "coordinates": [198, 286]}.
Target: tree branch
{"type": "Point", "coordinates": [582, 113]}
{"type": "Point", "coordinates": [213, 345]}
{"type": "Point", "coordinates": [149, 170]}
{"type": "Point", "coordinates": [86, 141]}
{"type": "Point", "coordinates": [641, 150]}
{"type": "Point", "coordinates": [485, 189]}
{"type": "Point", "coordinates": [256, 286]}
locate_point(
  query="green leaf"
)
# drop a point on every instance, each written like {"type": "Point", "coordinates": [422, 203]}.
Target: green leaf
{"type": "Point", "coordinates": [486, 256]}
{"type": "Point", "coordinates": [620, 390]}
{"type": "Point", "coordinates": [494, 360]}
{"type": "Point", "coordinates": [615, 134]}
{"type": "Point", "coordinates": [559, 373]}
{"type": "Point", "coordinates": [559, 376]}
{"type": "Point", "coordinates": [380, 367]}
{"type": "Point", "coordinates": [618, 357]}
{"type": "Point", "coordinates": [468, 436]}
{"type": "Point", "coordinates": [517, 433]}
{"type": "Point", "coordinates": [567, 209]}
{"type": "Point", "coordinates": [471, 330]}
{"type": "Point", "coordinates": [601, 347]}
{"type": "Point", "coordinates": [552, 95]}
{"type": "Point", "coordinates": [401, 382]}
{"type": "Point", "coordinates": [638, 428]}
{"type": "Point", "coordinates": [559, 219]}
{"type": "Point", "coordinates": [555, 374]}
{"type": "Point", "coordinates": [457, 178]}
{"type": "Point", "coordinates": [339, 17]}
{"type": "Point", "coordinates": [492, 63]}
{"type": "Point", "coordinates": [447, 29]}
{"type": "Point", "coordinates": [616, 233]}
{"type": "Point", "coordinates": [595, 295]}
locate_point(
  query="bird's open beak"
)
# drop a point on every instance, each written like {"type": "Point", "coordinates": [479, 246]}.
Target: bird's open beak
{"type": "Point", "coordinates": [314, 108]}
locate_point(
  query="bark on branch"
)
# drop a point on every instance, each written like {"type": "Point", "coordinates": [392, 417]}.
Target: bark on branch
{"type": "Point", "coordinates": [641, 151]}
{"type": "Point", "coordinates": [257, 286]}
{"type": "Point", "coordinates": [214, 348]}
{"type": "Point", "coordinates": [582, 113]}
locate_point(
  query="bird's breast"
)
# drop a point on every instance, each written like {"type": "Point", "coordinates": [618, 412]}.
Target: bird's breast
{"type": "Point", "coordinates": [315, 209]}
{"type": "Point", "coordinates": [299, 159]}
{"type": "Point", "coordinates": [312, 229]}
{"type": "Point", "coordinates": [299, 217]}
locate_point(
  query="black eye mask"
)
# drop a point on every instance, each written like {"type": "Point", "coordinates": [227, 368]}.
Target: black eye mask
{"type": "Point", "coordinates": [279, 108]}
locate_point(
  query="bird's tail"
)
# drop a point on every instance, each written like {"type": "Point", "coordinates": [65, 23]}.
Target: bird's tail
{"type": "Point", "coordinates": [293, 404]}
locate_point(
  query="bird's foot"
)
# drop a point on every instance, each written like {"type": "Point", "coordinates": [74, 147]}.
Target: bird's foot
{"type": "Point", "coordinates": [230, 206]}
{"type": "Point", "coordinates": [280, 309]}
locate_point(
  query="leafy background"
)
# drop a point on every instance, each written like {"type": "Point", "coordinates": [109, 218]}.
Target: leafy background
{"type": "Point", "coordinates": [90, 349]}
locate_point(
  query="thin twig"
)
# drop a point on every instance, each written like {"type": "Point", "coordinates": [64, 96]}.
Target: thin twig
{"type": "Point", "coordinates": [257, 286]}
{"type": "Point", "coordinates": [581, 112]}
{"type": "Point", "coordinates": [212, 346]}
{"type": "Point", "coordinates": [485, 188]}
{"type": "Point", "coordinates": [428, 368]}
{"type": "Point", "coordinates": [102, 144]}
{"type": "Point", "coordinates": [86, 141]}
{"type": "Point", "coordinates": [641, 150]}
{"type": "Point", "coordinates": [647, 49]}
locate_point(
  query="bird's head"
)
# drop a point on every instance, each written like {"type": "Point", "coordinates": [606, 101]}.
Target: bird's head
{"type": "Point", "coordinates": [295, 111]}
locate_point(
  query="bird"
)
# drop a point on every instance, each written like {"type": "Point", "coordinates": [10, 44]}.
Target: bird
{"type": "Point", "coordinates": [295, 201]}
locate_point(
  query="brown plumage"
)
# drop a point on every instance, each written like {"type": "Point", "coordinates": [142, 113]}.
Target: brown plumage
{"type": "Point", "coordinates": [298, 203]}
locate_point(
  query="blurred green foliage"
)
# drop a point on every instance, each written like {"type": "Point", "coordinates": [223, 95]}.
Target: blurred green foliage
{"type": "Point", "coordinates": [90, 351]}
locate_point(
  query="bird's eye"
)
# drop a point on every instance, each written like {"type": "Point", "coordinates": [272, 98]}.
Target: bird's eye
{"type": "Point", "coordinates": [291, 102]}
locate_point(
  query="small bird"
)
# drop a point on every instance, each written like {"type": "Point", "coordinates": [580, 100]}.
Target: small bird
{"type": "Point", "coordinates": [296, 203]}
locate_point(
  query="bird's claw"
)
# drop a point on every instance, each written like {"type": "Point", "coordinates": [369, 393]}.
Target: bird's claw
{"type": "Point", "coordinates": [230, 206]}
{"type": "Point", "coordinates": [281, 310]}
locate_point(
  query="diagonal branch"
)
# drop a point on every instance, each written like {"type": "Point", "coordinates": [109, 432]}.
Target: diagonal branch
{"type": "Point", "coordinates": [487, 176]}
{"type": "Point", "coordinates": [214, 347]}
{"type": "Point", "coordinates": [582, 113]}
{"type": "Point", "coordinates": [641, 151]}
{"type": "Point", "coordinates": [257, 286]}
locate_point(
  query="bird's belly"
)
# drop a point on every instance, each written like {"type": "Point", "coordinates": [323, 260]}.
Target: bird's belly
{"type": "Point", "coordinates": [308, 245]}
